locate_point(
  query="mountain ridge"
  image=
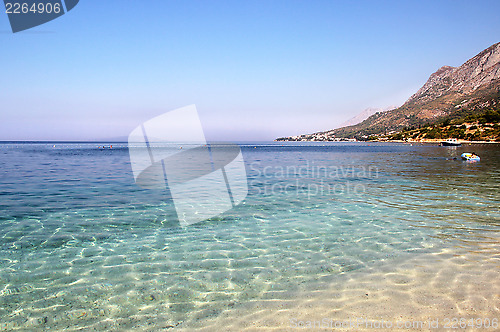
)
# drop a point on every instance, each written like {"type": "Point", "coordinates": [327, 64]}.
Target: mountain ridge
{"type": "Point", "coordinates": [472, 87]}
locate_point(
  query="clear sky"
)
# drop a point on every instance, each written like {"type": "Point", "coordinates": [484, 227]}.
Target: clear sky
{"type": "Point", "coordinates": [256, 70]}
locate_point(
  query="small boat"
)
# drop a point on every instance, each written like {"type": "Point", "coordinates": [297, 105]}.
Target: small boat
{"type": "Point", "coordinates": [470, 156]}
{"type": "Point", "coordinates": [451, 142]}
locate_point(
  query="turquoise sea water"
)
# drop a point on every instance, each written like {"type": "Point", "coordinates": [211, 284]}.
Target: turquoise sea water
{"type": "Point", "coordinates": [83, 246]}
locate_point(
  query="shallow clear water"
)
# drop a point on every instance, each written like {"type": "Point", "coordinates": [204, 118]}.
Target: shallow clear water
{"type": "Point", "coordinates": [83, 246]}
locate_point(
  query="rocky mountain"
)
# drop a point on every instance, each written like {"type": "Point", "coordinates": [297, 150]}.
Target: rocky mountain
{"type": "Point", "coordinates": [449, 93]}
{"type": "Point", "coordinates": [365, 115]}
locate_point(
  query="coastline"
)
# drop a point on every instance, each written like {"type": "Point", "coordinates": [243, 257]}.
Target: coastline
{"type": "Point", "coordinates": [426, 141]}
{"type": "Point", "coordinates": [438, 141]}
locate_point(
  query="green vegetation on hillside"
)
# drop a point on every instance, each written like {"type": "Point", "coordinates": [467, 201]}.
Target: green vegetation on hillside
{"type": "Point", "coordinates": [484, 126]}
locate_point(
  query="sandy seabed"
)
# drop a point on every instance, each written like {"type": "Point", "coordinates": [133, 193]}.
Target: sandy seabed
{"type": "Point", "coordinates": [456, 288]}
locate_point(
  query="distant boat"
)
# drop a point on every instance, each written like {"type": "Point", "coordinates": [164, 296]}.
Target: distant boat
{"type": "Point", "coordinates": [451, 142]}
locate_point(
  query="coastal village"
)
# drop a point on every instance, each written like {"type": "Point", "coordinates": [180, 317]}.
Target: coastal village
{"type": "Point", "coordinates": [467, 132]}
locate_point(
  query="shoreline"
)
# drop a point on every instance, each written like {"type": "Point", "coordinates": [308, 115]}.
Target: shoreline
{"type": "Point", "coordinates": [426, 141]}
{"type": "Point", "coordinates": [438, 141]}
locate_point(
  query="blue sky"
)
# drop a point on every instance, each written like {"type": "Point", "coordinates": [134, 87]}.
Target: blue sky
{"type": "Point", "coordinates": [256, 70]}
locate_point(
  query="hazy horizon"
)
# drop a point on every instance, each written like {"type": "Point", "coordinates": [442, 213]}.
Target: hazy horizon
{"type": "Point", "coordinates": [255, 70]}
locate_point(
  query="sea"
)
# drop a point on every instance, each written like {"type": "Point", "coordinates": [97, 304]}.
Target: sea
{"type": "Point", "coordinates": [84, 247]}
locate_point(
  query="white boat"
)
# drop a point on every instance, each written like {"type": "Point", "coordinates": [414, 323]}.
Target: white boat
{"type": "Point", "coordinates": [451, 142]}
